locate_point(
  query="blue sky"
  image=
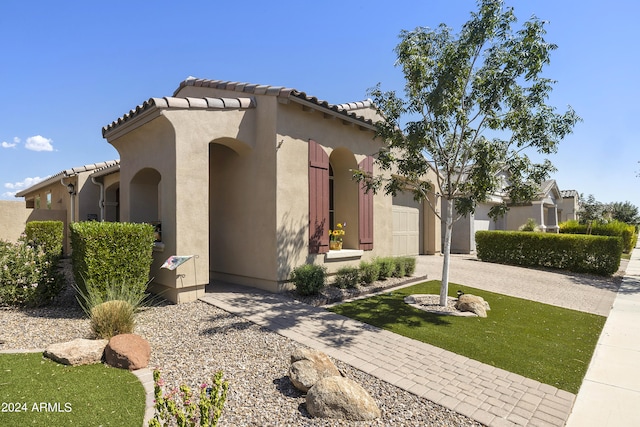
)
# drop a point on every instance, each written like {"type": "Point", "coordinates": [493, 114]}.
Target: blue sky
{"type": "Point", "coordinates": [67, 68]}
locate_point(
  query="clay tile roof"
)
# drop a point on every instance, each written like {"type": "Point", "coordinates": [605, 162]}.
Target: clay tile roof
{"type": "Point", "coordinates": [568, 193]}
{"type": "Point", "coordinates": [282, 92]}
{"type": "Point", "coordinates": [344, 110]}
{"type": "Point", "coordinates": [67, 173]}
{"type": "Point", "coordinates": [179, 103]}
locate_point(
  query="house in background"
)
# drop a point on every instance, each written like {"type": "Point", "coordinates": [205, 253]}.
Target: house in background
{"type": "Point", "coordinates": [570, 205]}
{"type": "Point", "coordinates": [547, 210]}
{"type": "Point", "coordinates": [248, 179]}
{"type": "Point", "coordinates": [71, 195]}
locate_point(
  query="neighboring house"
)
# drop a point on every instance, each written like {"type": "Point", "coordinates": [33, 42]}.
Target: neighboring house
{"type": "Point", "coordinates": [68, 196]}
{"type": "Point", "coordinates": [546, 210]}
{"type": "Point", "coordinates": [249, 179]}
{"type": "Point", "coordinates": [570, 205]}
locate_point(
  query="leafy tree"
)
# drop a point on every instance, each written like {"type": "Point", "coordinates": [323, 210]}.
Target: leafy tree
{"type": "Point", "coordinates": [591, 211]}
{"type": "Point", "coordinates": [625, 212]}
{"type": "Point", "coordinates": [474, 103]}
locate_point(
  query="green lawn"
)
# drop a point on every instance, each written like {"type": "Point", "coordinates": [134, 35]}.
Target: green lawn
{"type": "Point", "coordinates": [49, 394]}
{"type": "Point", "coordinates": [550, 344]}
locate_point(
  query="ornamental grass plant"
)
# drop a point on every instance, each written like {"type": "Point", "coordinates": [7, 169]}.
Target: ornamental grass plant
{"type": "Point", "coordinates": [111, 307]}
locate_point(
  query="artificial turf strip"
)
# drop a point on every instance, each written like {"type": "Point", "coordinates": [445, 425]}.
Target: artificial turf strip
{"type": "Point", "coordinates": [50, 394]}
{"type": "Point", "coordinates": [549, 344]}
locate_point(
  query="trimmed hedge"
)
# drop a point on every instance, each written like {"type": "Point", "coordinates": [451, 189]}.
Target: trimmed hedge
{"type": "Point", "coordinates": [578, 253]}
{"type": "Point", "coordinates": [47, 235]}
{"type": "Point", "coordinates": [614, 228]}
{"type": "Point", "coordinates": [111, 252]}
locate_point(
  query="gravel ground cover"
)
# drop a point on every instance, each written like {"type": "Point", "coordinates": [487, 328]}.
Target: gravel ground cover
{"type": "Point", "coordinates": [190, 342]}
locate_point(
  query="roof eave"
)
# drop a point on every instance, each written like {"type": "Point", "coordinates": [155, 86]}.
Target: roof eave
{"type": "Point", "coordinates": [338, 113]}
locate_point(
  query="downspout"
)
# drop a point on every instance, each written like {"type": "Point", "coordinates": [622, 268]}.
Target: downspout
{"type": "Point", "coordinates": [101, 201]}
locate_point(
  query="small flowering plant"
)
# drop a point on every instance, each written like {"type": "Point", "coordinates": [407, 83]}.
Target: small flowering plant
{"type": "Point", "coordinates": [178, 407]}
{"type": "Point", "coordinates": [337, 234]}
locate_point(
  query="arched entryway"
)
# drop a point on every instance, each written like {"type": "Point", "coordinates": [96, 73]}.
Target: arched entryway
{"type": "Point", "coordinates": [145, 196]}
{"type": "Point", "coordinates": [232, 214]}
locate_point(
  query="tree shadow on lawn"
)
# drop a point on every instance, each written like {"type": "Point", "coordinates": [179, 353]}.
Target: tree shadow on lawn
{"type": "Point", "coordinates": [387, 310]}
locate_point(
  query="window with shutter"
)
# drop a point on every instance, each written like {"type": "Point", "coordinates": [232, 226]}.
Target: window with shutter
{"type": "Point", "coordinates": [318, 199]}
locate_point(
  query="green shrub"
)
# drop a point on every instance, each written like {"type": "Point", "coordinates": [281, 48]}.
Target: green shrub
{"type": "Point", "coordinates": [28, 275]}
{"type": "Point", "coordinates": [399, 269]}
{"type": "Point", "coordinates": [179, 406]}
{"type": "Point", "coordinates": [309, 279]}
{"type": "Point", "coordinates": [409, 265]}
{"type": "Point", "coordinates": [48, 235]}
{"type": "Point", "coordinates": [387, 267]}
{"type": "Point", "coordinates": [111, 252]}
{"type": "Point", "coordinates": [530, 225]}
{"type": "Point", "coordinates": [369, 272]}
{"type": "Point", "coordinates": [347, 277]}
{"type": "Point", "coordinates": [625, 231]}
{"type": "Point", "coordinates": [583, 254]}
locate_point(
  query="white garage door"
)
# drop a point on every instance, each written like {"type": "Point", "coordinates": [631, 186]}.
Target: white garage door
{"type": "Point", "coordinates": [406, 226]}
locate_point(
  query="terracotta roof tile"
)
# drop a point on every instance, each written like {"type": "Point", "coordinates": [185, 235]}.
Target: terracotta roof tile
{"type": "Point", "coordinates": [180, 103]}
{"type": "Point", "coordinates": [174, 101]}
{"type": "Point", "coordinates": [67, 173]}
{"type": "Point", "coordinates": [282, 92]}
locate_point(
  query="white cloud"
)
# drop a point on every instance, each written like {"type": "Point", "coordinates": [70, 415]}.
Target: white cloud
{"type": "Point", "coordinates": [38, 143]}
{"type": "Point", "coordinates": [6, 144]}
{"type": "Point", "coordinates": [14, 187]}
{"type": "Point", "coordinates": [16, 140]}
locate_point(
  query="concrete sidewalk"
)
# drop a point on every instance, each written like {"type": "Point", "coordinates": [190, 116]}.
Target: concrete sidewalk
{"type": "Point", "coordinates": [611, 388]}
{"type": "Point", "coordinates": [489, 395]}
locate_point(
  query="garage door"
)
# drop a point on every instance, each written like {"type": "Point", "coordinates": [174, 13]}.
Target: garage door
{"type": "Point", "coordinates": [406, 225]}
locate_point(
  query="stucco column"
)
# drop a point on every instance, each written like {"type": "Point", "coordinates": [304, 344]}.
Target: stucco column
{"type": "Point", "coordinates": [540, 216]}
{"type": "Point", "coordinates": [553, 220]}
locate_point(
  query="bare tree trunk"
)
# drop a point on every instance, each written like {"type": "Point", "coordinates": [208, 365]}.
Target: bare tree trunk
{"type": "Point", "coordinates": [446, 251]}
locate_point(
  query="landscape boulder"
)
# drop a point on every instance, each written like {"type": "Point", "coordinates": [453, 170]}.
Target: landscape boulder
{"type": "Point", "coordinates": [79, 351]}
{"type": "Point", "coordinates": [342, 398]}
{"type": "Point", "coordinates": [128, 351]}
{"type": "Point", "coordinates": [474, 304]}
{"type": "Point", "coordinates": [308, 366]}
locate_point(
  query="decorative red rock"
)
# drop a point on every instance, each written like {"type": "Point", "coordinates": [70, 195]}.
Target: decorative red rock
{"type": "Point", "coordinates": [128, 351]}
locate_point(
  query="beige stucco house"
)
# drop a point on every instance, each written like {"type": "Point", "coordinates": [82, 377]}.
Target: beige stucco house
{"type": "Point", "coordinates": [68, 196]}
{"type": "Point", "coordinates": [248, 179]}
{"type": "Point", "coordinates": [548, 209]}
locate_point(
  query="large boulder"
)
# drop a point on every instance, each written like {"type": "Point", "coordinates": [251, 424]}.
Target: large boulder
{"type": "Point", "coordinates": [128, 351]}
{"type": "Point", "coordinates": [79, 351]}
{"type": "Point", "coordinates": [308, 366]}
{"type": "Point", "coordinates": [474, 304]}
{"type": "Point", "coordinates": [343, 398]}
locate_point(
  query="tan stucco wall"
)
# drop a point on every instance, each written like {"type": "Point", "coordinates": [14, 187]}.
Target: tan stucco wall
{"type": "Point", "coordinates": [233, 190]}
{"type": "Point", "coordinates": [295, 128]}
{"type": "Point", "coordinates": [14, 216]}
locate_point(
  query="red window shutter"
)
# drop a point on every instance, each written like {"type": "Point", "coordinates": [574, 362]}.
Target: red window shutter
{"type": "Point", "coordinates": [318, 199]}
{"type": "Point", "coordinates": [365, 209]}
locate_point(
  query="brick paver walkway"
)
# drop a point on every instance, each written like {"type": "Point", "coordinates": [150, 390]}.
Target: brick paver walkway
{"type": "Point", "coordinates": [489, 395]}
